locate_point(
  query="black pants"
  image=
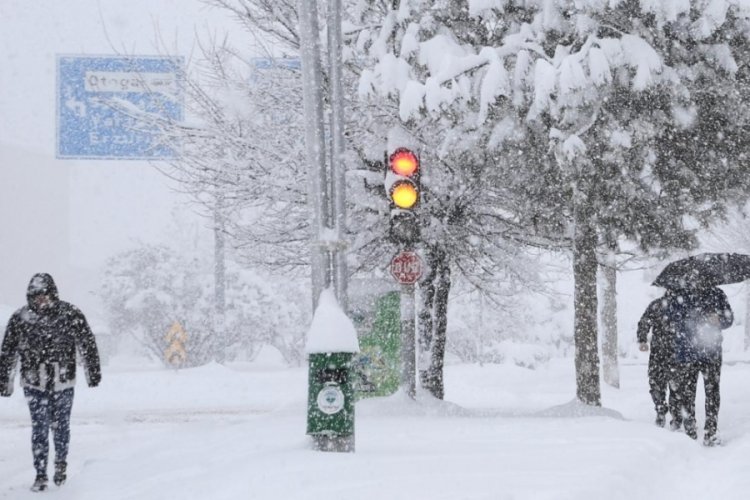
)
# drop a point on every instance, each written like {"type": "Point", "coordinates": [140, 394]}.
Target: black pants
{"type": "Point", "coordinates": [687, 379]}
{"type": "Point", "coordinates": [661, 376]}
{"type": "Point", "coordinates": [49, 410]}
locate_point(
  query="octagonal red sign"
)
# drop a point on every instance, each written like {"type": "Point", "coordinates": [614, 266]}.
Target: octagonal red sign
{"type": "Point", "coordinates": [406, 267]}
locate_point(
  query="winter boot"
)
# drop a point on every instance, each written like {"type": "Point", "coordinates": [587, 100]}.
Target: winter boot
{"type": "Point", "coordinates": [60, 474]}
{"type": "Point", "coordinates": [691, 431]}
{"type": "Point", "coordinates": [40, 483]}
{"type": "Point", "coordinates": [661, 419]}
{"type": "Point", "coordinates": [711, 439]}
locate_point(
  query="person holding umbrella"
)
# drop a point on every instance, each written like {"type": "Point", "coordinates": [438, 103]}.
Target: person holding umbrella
{"type": "Point", "coordinates": [699, 313]}
{"type": "Point", "coordinates": [700, 316]}
{"type": "Point", "coordinates": [660, 361]}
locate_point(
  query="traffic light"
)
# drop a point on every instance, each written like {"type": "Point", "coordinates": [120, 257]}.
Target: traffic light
{"type": "Point", "coordinates": [403, 170]}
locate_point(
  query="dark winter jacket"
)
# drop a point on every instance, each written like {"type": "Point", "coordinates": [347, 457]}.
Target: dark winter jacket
{"type": "Point", "coordinates": [45, 340]}
{"type": "Point", "coordinates": [699, 316]}
{"type": "Point", "coordinates": [656, 319]}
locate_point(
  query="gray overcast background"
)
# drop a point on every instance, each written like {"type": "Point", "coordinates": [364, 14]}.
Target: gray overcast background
{"type": "Point", "coordinates": [67, 217]}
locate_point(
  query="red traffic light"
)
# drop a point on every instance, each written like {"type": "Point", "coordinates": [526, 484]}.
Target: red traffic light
{"type": "Point", "coordinates": [404, 162]}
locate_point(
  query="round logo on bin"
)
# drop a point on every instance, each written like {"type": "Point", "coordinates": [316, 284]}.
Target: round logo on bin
{"type": "Point", "coordinates": [330, 400]}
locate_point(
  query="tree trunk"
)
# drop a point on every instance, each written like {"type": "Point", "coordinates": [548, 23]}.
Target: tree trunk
{"type": "Point", "coordinates": [610, 369]}
{"type": "Point", "coordinates": [588, 389]}
{"type": "Point", "coordinates": [432, 378]}
{"type": "Point", "coordinates": [424, 317]}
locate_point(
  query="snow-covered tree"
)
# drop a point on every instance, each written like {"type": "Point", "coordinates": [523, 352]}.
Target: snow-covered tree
{"type": "Point", "coordinates": [547, 123]}
{"type": "Point", "coordinates": [230, 153]}
{"type": "Point", "coordinates": [147, 290]}
{"type": "Point", "coordinates": [590, 120]}
{"type": "Point", "coordinates": [732, 235]}
{"type": "Point", "coordinates": [241, 153]}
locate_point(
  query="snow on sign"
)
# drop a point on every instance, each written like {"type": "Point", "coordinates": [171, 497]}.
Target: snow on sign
{"type": "Point", "coordinates": [93, 94]}
{"type": "Point", "coordinates": [292, 63]}
{"type": "Point", "coordinates": [406, 267]}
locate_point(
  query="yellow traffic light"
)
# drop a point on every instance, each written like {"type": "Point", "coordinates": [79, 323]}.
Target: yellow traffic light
{"type": "Point", "coordinates": [402, 172]}
{"type": "Point", "coordinates": [404, 194]}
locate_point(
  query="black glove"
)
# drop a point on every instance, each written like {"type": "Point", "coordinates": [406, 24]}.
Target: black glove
{"type": "Point", "coordinates": [94, 380]}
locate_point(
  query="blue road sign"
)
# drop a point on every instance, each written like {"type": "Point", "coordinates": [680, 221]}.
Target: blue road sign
{"type": "Point", "coordinates": [102, 100]}
{"type": "Point", "coordinates": [292, 63]}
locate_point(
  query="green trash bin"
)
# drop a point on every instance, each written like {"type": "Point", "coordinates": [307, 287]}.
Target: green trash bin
{"type": "Point", "coordinates": [330, 404]}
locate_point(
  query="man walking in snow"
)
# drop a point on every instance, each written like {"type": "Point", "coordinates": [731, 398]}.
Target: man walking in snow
{"type": "Point", "coordinates": [661, 371]}
{"type": "Point", "coordinates": [44, 335]}
{"type": "Point", "coordinates": [700, 315]}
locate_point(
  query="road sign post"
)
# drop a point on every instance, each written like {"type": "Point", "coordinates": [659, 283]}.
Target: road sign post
{"type": "Point", "coordinates": [403, 188]}
{"type": "Point", "coordinates": [406, 267]}
{"type": "Point", "coordinates": [408, 342]}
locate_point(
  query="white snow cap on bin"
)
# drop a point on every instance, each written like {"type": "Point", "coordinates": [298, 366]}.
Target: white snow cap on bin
{"type": "Point", "coordinates": [331, 330]}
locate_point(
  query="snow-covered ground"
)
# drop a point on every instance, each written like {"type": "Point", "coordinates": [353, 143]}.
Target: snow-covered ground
{"type": "Point", "coordinates": [506, 433]}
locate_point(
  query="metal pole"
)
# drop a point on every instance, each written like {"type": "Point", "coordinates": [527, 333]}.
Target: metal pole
{"type": "Point", "coordinates": [338, 171]}
{"type": "Point", "coordinates": [318, 189]}
{"type": "Point", "coordinates": [408, 345]}
{"type": "Point", "coordinates": [220, 344]}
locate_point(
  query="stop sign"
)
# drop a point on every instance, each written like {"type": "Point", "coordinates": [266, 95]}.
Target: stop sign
{"type": "Point", "coordinates": [406, 267]}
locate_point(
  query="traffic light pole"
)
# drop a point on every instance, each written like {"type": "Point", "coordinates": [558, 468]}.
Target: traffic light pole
{"type": "Point", "coordinates": [402, 186]}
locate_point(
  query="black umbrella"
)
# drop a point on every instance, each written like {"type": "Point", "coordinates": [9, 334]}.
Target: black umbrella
{"type": "Point", "coordinates": [705, 270]}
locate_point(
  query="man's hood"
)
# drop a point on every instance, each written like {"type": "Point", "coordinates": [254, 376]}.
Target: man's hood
{"type": "Point", "coordinates": [41, 284]}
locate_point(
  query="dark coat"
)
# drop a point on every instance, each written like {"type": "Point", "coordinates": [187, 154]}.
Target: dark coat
{"type": "Point", "coordinates": [699, 316]}
{"type": "Point", "coordinates": [656, 319]}
{"type": "Point", "coordinates": [45, 340]}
